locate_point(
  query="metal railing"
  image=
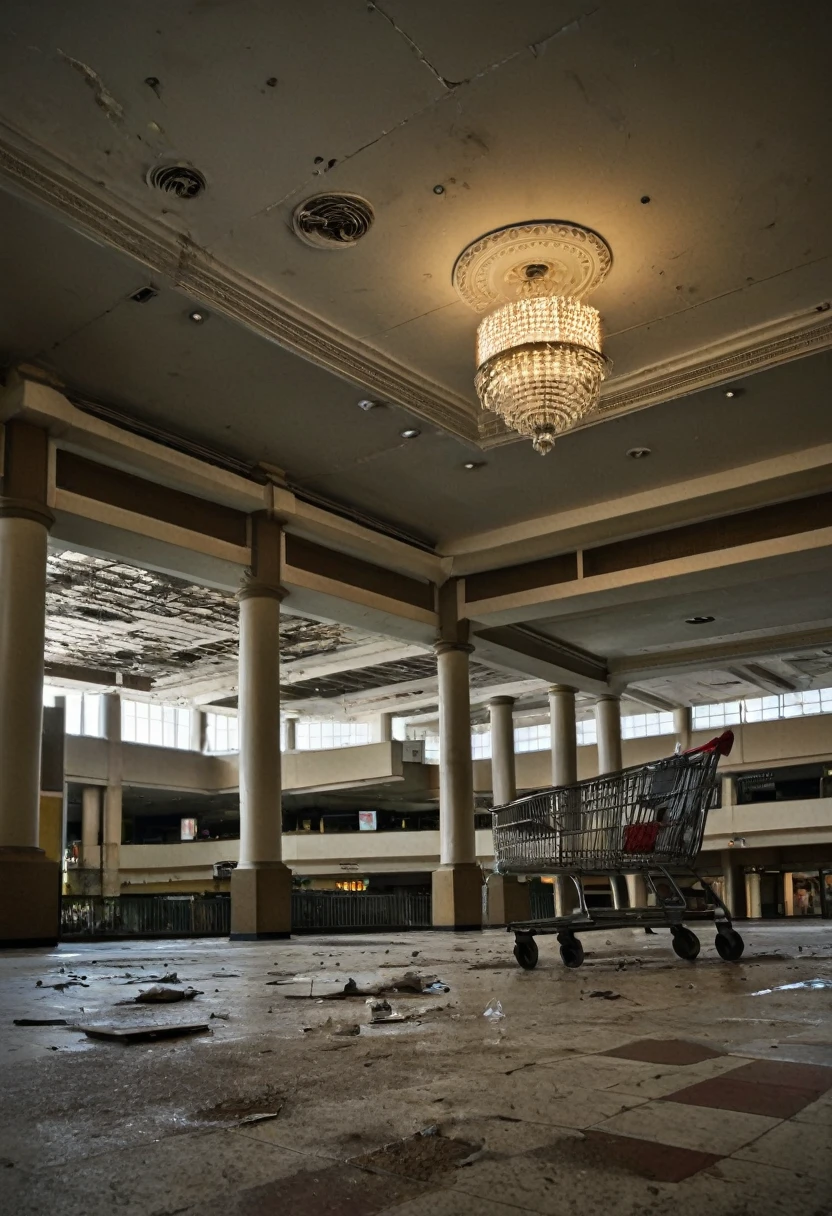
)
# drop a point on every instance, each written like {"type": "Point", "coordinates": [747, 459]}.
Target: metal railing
{"type": "Point", "coordinates": [197, 916]}
{"type": "Point", "coordinates": [313, 910]}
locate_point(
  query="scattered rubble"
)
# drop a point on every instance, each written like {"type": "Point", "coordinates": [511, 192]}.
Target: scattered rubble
{"type": "Point", "coordinates": [143, 1033]}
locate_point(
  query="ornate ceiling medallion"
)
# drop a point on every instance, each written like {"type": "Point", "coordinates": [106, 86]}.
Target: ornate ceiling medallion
{"type": "Point", "coordinates": [539, 358]}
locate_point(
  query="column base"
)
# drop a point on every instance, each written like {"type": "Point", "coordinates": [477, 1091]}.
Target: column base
{"type": "Point", "coordinates": [261, 903]}
{"type": "Point", "coordinates": [30, 898]}
{"type": "Point", "coordinates": [508, 900]}
{"type": "Point", "coordinates": [457, 897]}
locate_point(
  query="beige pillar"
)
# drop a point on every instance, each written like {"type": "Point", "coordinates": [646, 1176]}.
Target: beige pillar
{"type": "Point", "coordinates": [90, 824]}
{"type": "Point", "coordinates": [457, 884]}
{"type": "Point", "coordinates": [508, 898]}
{"type": "Point", "coordinates": [111, 835]}
{"type": "Point", "coordinates": [608, 719]}
{"type": "Point", "coordinates": [261, 886]}
{"type": "Point", "coordinates": [753, 901]}
{"type": "Point", "coordinates": [734, 885]}
{"type": "Point", "coordinates": [682, 726]}
{"type": "Point", "coordinates": [564, 735]}
{"type": "Point", "coordinates": [29, 882]}
{"type": "Point", "coordinates": [503, 779]}
{"type": "Point", "coordinates": [199, 729]}
{"type": "Point", "coordinates": [636, 891]}
{"type": "Point", "coordinates": [290, 726]}
{"type": "Point", "coordinates": [381, 728]}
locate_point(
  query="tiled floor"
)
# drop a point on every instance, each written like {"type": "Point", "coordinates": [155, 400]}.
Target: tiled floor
{"type": "Point", "coordinates": [687, 1094]}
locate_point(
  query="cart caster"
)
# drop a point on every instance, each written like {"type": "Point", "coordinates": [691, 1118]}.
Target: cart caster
{"type": "Point", "coordinates": [685, 942]}
{"type": "Point", "coordinates": [525, 951]}
{"type": "Point", "coordinates": [729, 945]}
{"type": "Point", "coordinates": [571, 950]}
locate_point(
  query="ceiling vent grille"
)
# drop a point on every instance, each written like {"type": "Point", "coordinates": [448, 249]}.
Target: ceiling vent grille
{"type": "Point", "coordinates": [333, 221]}
{"type": "Point", "coordinates": [179, 180]}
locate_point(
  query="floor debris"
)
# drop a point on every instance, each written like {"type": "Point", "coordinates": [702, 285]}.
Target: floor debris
{"type": "Point", "coordinates": [159, 995]}
{"type": "Point", "coordinates": [143, 1033]}
{"type": "Point", "coordinates": [40, 1022]}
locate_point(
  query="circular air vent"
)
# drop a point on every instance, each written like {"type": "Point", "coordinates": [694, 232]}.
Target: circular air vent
{"type": "Point", "coordinates": [333, 221]}
{"type": "Point", "coordinates": [180, 180]}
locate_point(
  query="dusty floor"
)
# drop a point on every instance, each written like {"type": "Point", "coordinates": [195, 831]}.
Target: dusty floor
{"type": "Point", "coordinates": [564, 1103]}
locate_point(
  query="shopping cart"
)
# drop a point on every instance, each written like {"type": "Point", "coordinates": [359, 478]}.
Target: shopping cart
{"type": "Point", "coordinates": [647, 820]}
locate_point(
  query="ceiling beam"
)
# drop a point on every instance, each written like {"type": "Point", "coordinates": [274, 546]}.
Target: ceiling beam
{"type": "Point", "coordinates": [520, 649]}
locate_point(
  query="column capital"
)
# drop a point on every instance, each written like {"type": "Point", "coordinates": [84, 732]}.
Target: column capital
{"type": "Point", "coordinates": [26, 508]}
{"type": "Point", "coordinates": [556, 688]}
{"type": "Point", "coordinates": [607, 696]}
{"type": "Point", "coordinates": [502, 701]}
{"type": "Point", "coordinates": [252, 587]}
{"type": "Point", "coordinates": [446, 647]}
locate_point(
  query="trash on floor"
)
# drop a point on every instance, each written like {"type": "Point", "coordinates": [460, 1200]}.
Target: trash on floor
{"type": "Point", "coordinates": [158, 994]}
{"type": "Point", "coordinates": [143, 1033]}
{"type": "Point", "coordinates": [259, 1118]}
{"type": "Point", "coordinates": [804, 984]}
{"type": "Point", "coordinates": [348, 1031]}
{"type": "Point", "coordinates": [40, 1022]}
{"type": "Point", "coordinates": [605, 994]}
{"type": "Point", "coordinates": [494, 1011]}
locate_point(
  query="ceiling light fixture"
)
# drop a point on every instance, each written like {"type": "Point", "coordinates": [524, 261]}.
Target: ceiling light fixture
{"type": "Point", "coordinates": [366, 403]}
{"type": "Point", "coordinates": [638, 453]}
{"type": "Point", "coordinates": [471, 465]}
{"type": "Point", "coordinates": [197, 317]}
{"type": "Point", "coordinates": [731, 392]}
{"type": "Point", "coordinates": [410, 433]}
{"type": "Point", "coordinates": [699, 620]}
{"type": "Point", "coordinates": [540, 362]}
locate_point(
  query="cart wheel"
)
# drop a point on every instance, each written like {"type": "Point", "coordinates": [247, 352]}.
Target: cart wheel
{"type": "Point", "coordinates": [525, 951]}
{"type": "Point", "coordinates": [685, 943]}
{"type": "Point", "coordinates": [729, 945]}
{"type": "Point", "coordinates": [571, 950]}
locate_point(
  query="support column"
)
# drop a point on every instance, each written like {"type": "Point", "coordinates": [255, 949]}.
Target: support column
{"type": "Point", "coordinates": [111, 835]}
{"type": "Point", "coordinates": [291, 728]}
{"type": "Point", "coordinates": [564, 735]}
{"type": "Point", "coordinates": [261, 885]}
{"type": "Point", "coordinates": [734, 879]}
{"type": "Point", "coordinates": [508, 898]}
{"type": "Point", "coordinates": [90, 824]}
{"type": "Point", "coordinates": [608, 719]}
{"type": "Point", "coordinates": [199, 729]}
{"type": "Point", "coordinates": [753, 901]}
{"type": "Point", "coordinates": [457, 884]}
{"type": "Point", "coordinates": [381, 728]}
{"type": "Point", "coordinates": [682, 718]}
{"type": "Point", "coordinates": [29, 881]}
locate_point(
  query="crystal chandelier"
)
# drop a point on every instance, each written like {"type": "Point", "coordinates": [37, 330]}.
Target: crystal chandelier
{"type": "Point", "coordinates": [539, 356]}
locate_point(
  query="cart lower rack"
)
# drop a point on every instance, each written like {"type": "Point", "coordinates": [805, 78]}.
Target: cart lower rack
{"type": "Point", "coordinates": [647, 820]}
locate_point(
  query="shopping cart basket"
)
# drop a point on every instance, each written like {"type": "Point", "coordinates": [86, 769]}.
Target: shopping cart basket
{"type": "Point", "coordinates": [646, 820]}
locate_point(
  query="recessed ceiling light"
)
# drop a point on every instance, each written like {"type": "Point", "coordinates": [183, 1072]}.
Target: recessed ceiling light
{"type": "Point", "coordinates": [438, 189]}
{"type": "Point", "coordinates": [470, 465]}
{"type": "Point", "coordinates": [197, 317]}
{"type": "Point", "coordinates": [638, 453]}
{"type": "Point", "coordinates": [731, 392]}
{"type": "Point", "coordinates": [366, 403]}
{"type": "Point", "coordinates": [410, 433]}
{"type": "Point", "coordinates": [698, 620]}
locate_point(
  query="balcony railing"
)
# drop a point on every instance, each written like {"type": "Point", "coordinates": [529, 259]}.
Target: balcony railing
{"type": "Point", "coordinates": [196, 916]}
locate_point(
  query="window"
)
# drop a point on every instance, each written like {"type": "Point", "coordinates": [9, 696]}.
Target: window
{"type": "Point", "coordinates": [532, 738]}
{"type": "Point", "coordinates": [587, 732]}
{"type": "Point", "coordinates": [481, 745]}
{"type": "Point", "coordinates": [157, 725]}
{"type": "Point", "coordinates": [83, 710]}
{"type": "Point", "coordinates": [641, 726]}
{"type": "Point", "coordinates": [715, 717]}
{"type": "Point", "coordinates": [320, 736]}
{"type": "Point", "coordinates": [431, 749]}
{"type": "Point", "coordinates": [222, 733]}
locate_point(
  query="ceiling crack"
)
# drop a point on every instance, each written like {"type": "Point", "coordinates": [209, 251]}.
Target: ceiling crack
{"type": "Point", "coordinates": [417, 50]}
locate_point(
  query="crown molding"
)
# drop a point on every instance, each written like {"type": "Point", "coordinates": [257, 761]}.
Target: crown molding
{"type": "Point", "coordinates": [91, 209]}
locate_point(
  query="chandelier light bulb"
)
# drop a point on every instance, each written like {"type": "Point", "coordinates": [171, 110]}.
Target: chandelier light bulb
{"type": "Point", "coordinates": [539, 358]}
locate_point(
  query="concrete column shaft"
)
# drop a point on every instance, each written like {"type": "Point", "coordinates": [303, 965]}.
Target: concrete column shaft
{"type": "Point", "coordinates": [682, 718]}
{"type": "Point", "coordinates": [22, 616]}
{"type": "Point", "coordinates": [259, 709]}
{"type": "Point", "coordinates": [90, 821]}
{"type": "Point", "coordinates": [503, 777]}
{"type": "Point", "coordinates": [456, 774]}
{"type": "Point", "coordinates": [199, 729]}
{"type": "Point", "coordinates": [753, 901]}
{"type": "Point", "coordinates": [291, 727]}
{"type": "Point", "coordinates": [608, 719]}
{"type": "Point", "coordinates": [564, 735]}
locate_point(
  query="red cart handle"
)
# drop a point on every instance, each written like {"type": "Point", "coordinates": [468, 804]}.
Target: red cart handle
{"type": "Point", "coordinates": [721, 744]}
